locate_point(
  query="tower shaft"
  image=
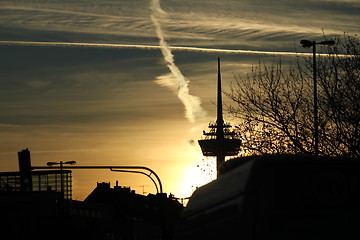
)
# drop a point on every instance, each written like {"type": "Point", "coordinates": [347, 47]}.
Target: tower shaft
{"type": "Point", "coordinates": [220, 157]}
{"type": "Point", "coordinates": [219, 142]}
{"type": "Point", "coordinates": [220, 120]}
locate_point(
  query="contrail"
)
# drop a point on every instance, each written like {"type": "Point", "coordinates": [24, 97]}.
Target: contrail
{"type": "Point", "coordinates": [77, 44]}
{"type": "Point", "coordinates": [150, 47]}
{"type": "Point", "coordinates": [193, 109]}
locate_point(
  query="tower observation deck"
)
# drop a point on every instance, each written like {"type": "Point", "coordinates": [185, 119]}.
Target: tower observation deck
{"type": "Point", "coordinates": [220, 141]}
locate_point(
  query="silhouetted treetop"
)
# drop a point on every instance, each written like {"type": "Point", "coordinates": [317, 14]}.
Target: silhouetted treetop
{"type": "Point", "coordinates": [275, 110]}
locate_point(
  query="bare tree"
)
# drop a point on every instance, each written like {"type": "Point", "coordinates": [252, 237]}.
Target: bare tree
{"type": "Point", "coordinates": [274, 106]}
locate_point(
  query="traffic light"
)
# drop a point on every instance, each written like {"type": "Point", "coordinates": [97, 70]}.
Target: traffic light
{"type": "Point", "coordinates": [25, 170]}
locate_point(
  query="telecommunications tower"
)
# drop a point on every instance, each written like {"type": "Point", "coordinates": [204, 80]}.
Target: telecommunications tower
{"type": "Point", "coordinates": [220, 141]}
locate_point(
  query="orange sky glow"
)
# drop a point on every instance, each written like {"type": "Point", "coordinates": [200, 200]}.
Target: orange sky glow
{"type": "Point", "coordinates": [134, 82]}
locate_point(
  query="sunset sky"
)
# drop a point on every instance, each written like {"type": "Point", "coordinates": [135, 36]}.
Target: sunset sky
{"type": "Point", "coordinates": [113, 100]}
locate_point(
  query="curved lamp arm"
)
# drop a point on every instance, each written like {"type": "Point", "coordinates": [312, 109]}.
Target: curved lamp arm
{"type": "Point", "coordinates": [130, 171]}
{"type": "Point", "coordinates": [116, 169]}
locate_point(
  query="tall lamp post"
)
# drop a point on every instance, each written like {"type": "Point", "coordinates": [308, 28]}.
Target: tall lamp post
{"type": "Point", "coordinates": [61, 163]}
{"type": "Point", "coordinates": [309, 44]}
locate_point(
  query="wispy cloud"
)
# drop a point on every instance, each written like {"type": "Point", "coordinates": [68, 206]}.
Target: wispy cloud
{"type": "Point", "coordinates": [215, 23]}
{"type": "Point", "coordinates": [192, 103]}
{"type": "Point", "coordinates": [9, 125]}
{"type": "Point", "coordinates": [255, 23]}
{"type": "Point", "coordinates": [85, 17]}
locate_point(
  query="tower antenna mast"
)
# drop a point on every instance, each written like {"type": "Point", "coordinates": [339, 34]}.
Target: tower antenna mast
{"type": "Point", "coordinates": [220, 141]}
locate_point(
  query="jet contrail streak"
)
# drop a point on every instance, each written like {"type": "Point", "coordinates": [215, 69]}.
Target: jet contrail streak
{"type": "Point", "coordinates": [193, 109]}
{"type": "Point", "coordinates": [150, 47]}
{"type": "Point", "coordinates": [78, 44]}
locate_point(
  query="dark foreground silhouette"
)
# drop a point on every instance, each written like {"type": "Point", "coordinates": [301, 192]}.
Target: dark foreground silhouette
{"type": "Point", "coordinates": [277, 197]}
{"type": "Point", "coordinates": [255, 198]}
{"type": "Point", "coordinates": [107, 213]}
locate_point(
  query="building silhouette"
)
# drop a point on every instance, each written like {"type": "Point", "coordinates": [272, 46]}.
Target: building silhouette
{"type": "Point", "coordinates": [35, 204]}
{"type": "Point", "coordinates": [120, 213]}
{"type": "Point", "coordinates": [47, 180]}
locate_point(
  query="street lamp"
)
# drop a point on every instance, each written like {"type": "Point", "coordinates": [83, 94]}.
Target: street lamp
{"type": "Point", "coordinates": [127, 169]}
{"type": "Point", "coordinates": [61, 163]}
{"type": "Point", "coordinates": [309, 44]}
